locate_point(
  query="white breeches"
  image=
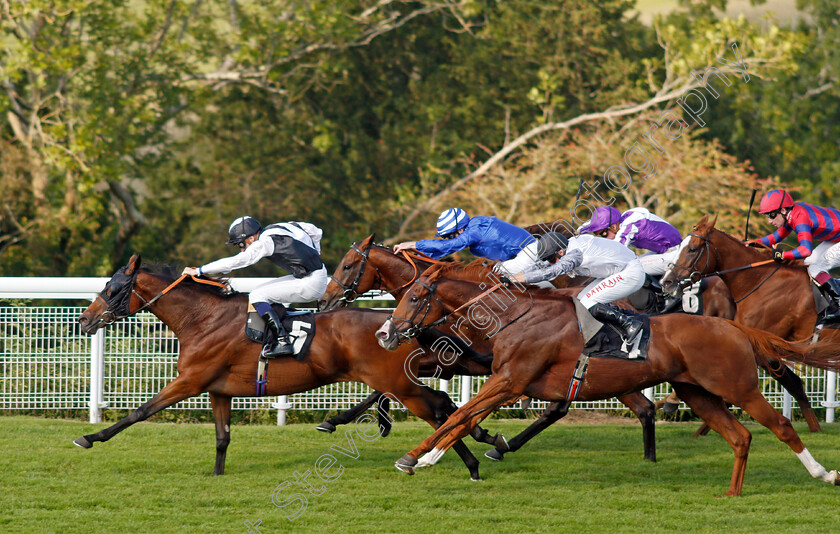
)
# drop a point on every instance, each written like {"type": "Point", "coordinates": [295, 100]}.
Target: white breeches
{"type": "Point", "coordinates": [526, 259]}
{"type": "Point", "coordinates": [823, 258]}
{"type": "Point", "coordinates": [656, 264]}
{"type": "Point", "coordinates": [614, 287]}
{"type": "Point", "coordinates": [288, 289]}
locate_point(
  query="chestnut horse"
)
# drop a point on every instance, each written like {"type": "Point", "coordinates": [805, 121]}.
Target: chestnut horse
{"type": "Point", "coordinates": [215, 356]}
{"type": "Point", "coordinates": [776, 297]}
{"type": "Point", "coordinates": [368, 266]}
{"type": "Point", "coordinates": [708, 361]}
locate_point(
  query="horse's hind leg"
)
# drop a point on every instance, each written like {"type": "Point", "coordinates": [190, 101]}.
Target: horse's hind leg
{"type": "Point", "coordinates": [221, 414]}
{"type": "Point", "coordinates": [179, 389]}
{"type": "Point", "coordinates": [350, 415]}
{"type": "Point", "coordinates": [712, 410]}
{"type": "Point", "coordinates": [791, 382]}
{"type": "Point", "coordinates": [761, 410]}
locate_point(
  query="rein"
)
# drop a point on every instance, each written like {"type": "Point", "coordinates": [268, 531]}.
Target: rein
{"type": "Point", "coordinates": [115, 316]}
{"type": "Point", "coordinates": [413, 329]}
{"type": "Point", "coordinates": [706, 245]}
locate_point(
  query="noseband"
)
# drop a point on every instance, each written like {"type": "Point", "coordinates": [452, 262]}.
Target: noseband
{"type": "Point", "coordinates": [416, 328]}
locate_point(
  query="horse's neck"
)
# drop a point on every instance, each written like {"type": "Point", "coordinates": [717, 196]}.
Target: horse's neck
{"type": "Point", "coordinates": [181, 307]}
{"type": "Point", "coordinates": [396, 271]}
{"type": "Point", "coordinates": [732, 255]}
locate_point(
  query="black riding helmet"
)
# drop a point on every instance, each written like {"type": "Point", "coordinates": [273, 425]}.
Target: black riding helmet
{"type": "Point", "coordinates": [241, 229]}
{"type": "Point", "coordinates": [550, 243]}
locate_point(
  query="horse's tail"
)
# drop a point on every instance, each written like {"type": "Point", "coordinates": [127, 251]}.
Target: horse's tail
{"type": "Point", "coordinates": [823, 355]}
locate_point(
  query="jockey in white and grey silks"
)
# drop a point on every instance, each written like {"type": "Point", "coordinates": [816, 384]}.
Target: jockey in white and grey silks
{"type": "Point", "coordinates": [292, 246]}
{"type": "Point", "coordinates": [616, 269]}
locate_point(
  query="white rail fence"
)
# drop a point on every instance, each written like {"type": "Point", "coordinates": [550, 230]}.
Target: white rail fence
{"type": "Point", "coordinates": [48, 364]}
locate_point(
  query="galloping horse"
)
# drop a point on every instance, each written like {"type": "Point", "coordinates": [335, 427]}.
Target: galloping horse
{"type": "Point", "coordinates": [707, 360]}
{"type": "Point", "coordinates": [215, 356]}
{"type": "Point", "coordinates": [776, 297]}
{"type": "Point", "coordinates": [368, 266]}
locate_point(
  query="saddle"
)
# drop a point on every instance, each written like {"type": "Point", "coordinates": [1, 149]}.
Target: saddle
{"type": "Point", "coordinates": [605, 341]}
{"type": "Point", "coordinates": [653, 301]}
{"type": "Point", "coordinates": [299, 324]}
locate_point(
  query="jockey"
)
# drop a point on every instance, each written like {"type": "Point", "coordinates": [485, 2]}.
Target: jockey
{"type": "Point", "coordinates": [639, 228]}
{"type": "Point", "coordinates": [486, 237]}
{"type": "Point", "coordinates": [294, 247]}
{"type": "Point", "coordinates": [810, 223]}
{"type": "Point", "coordinates": [616, 269]}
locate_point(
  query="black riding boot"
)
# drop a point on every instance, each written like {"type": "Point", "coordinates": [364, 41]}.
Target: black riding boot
{"type": "Point", "coordinates": [282, 345]}
{"type": "Point", "coordinates": [607, 314]}
{"type": "Point", "coordinates": [831, 291]}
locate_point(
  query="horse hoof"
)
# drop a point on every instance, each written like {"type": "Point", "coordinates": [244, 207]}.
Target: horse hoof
{"type": "Point", "coordinates": [495, 455]}
{"type": "Point", "coordinates": [82, 442]}
{"type": "Point", "coordinates": [326, 426]}
{"type": "Point", "coordinates": [384, 430]}
{"type": "Point", "coordinates": [501, 443]}
{"type": "Point", "coordinates": [835, 477]}
{"type": "Point", "coordinates": [670, 407]}
{"type": "Point", "coordinates": [406, 464]}
{"type": "Point", "coordinates": [476, 479]}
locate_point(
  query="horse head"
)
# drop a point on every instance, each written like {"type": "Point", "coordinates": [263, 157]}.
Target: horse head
{"type": "Point", "coordinates": [697, 258]}
{"type": "Point", "coordinates": [114, 302]}
{"type": "Point", "coordinates": [353, 276]}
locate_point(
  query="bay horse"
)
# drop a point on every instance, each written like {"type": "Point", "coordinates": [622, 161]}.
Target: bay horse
{"type": "Point", "coordinates": [216, 357]}
{"type": "Point", "coordinates": [708, 361]}
{"type": "Point", "coordinates": [776, 297]}
{"type": "Point", "coordinates": [368, 266]}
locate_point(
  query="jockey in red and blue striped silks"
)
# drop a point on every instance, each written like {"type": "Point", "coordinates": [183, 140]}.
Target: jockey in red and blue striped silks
{"type": "Point", "coordinates": [811, 223]}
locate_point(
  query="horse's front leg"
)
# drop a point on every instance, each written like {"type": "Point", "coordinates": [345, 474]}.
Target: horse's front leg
{"type": "Point", "coordinates": [494, 392]}
{"type": "Point", "coordinates": [183, 387]}
{"type": "Point", "coordinates": [221, 413]}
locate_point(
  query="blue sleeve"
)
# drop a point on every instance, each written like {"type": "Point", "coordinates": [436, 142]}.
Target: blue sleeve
{"type": "Point", "coordinates": [438, 248]}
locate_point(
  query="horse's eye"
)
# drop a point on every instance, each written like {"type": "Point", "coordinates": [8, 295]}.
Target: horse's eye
{"type": "Point", "coordinates": [346, 267]}
{"type": "Point", "coordinates": [692, 249]}
{"type": "Point", "coordinates": [414, 298]}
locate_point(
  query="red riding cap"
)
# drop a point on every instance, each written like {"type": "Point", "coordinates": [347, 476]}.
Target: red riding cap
{"type": "Point", "coordinates": [775, 200]}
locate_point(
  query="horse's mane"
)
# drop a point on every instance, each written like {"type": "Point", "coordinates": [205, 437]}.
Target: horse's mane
{"type": "Point", "coordinates": [475, 271]}
{"type": "Point", "coordinates": [169, 273]}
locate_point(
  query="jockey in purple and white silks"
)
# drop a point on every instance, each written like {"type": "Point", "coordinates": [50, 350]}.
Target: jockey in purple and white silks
{"type": "Point", "coordinates": [486, 237]}
{"type": "Point", "coordinates": [639, 228]}
{"type": "Point", "coordinates": [294, 247]}
{"type": "Point", "coordinates": [616, 269]}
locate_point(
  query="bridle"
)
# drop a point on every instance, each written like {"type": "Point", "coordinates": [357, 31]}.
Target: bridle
{"type": "Point", "coordinates": [415, 329]}
{"type": "Point", "coordinates": [692, 272]}
{"type": "Point", "coordinates": [119, 306]}
{"type": "Point", "coordinates": [351, 291]}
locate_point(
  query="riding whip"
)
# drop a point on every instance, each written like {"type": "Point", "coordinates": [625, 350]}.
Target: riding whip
{"type": "Point", "coordinates": [747, 227]}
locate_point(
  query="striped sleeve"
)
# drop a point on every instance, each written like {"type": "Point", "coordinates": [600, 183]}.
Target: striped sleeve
{"type": "Point", "coordinates": [777, 236]}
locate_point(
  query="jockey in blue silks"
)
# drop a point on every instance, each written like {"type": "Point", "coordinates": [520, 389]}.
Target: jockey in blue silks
{"type": "Point", "coordinates": [486, 237]}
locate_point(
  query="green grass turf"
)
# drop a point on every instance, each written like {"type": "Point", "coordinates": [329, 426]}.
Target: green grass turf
{"type": "Point", "coordinates": [156, 477]}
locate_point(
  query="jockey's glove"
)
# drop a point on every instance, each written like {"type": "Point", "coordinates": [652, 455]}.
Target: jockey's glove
{"type": "Point", "coordinates": [777, 255]}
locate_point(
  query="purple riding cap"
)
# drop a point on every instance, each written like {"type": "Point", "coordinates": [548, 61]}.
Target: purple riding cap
{"type": "Point", "coordinates": [638, 228]}
{"type": "Point", "coordinates": [602, 218]}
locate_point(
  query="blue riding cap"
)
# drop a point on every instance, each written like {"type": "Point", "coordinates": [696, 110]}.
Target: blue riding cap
{"type": "Point", "coordinates": [451, 221]}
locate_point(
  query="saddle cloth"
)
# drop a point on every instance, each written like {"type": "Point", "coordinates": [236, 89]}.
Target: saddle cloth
{"type": "Point", "coordinates": [299, 324]}
{"type": "Point", "coordinates": [604, 340]}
